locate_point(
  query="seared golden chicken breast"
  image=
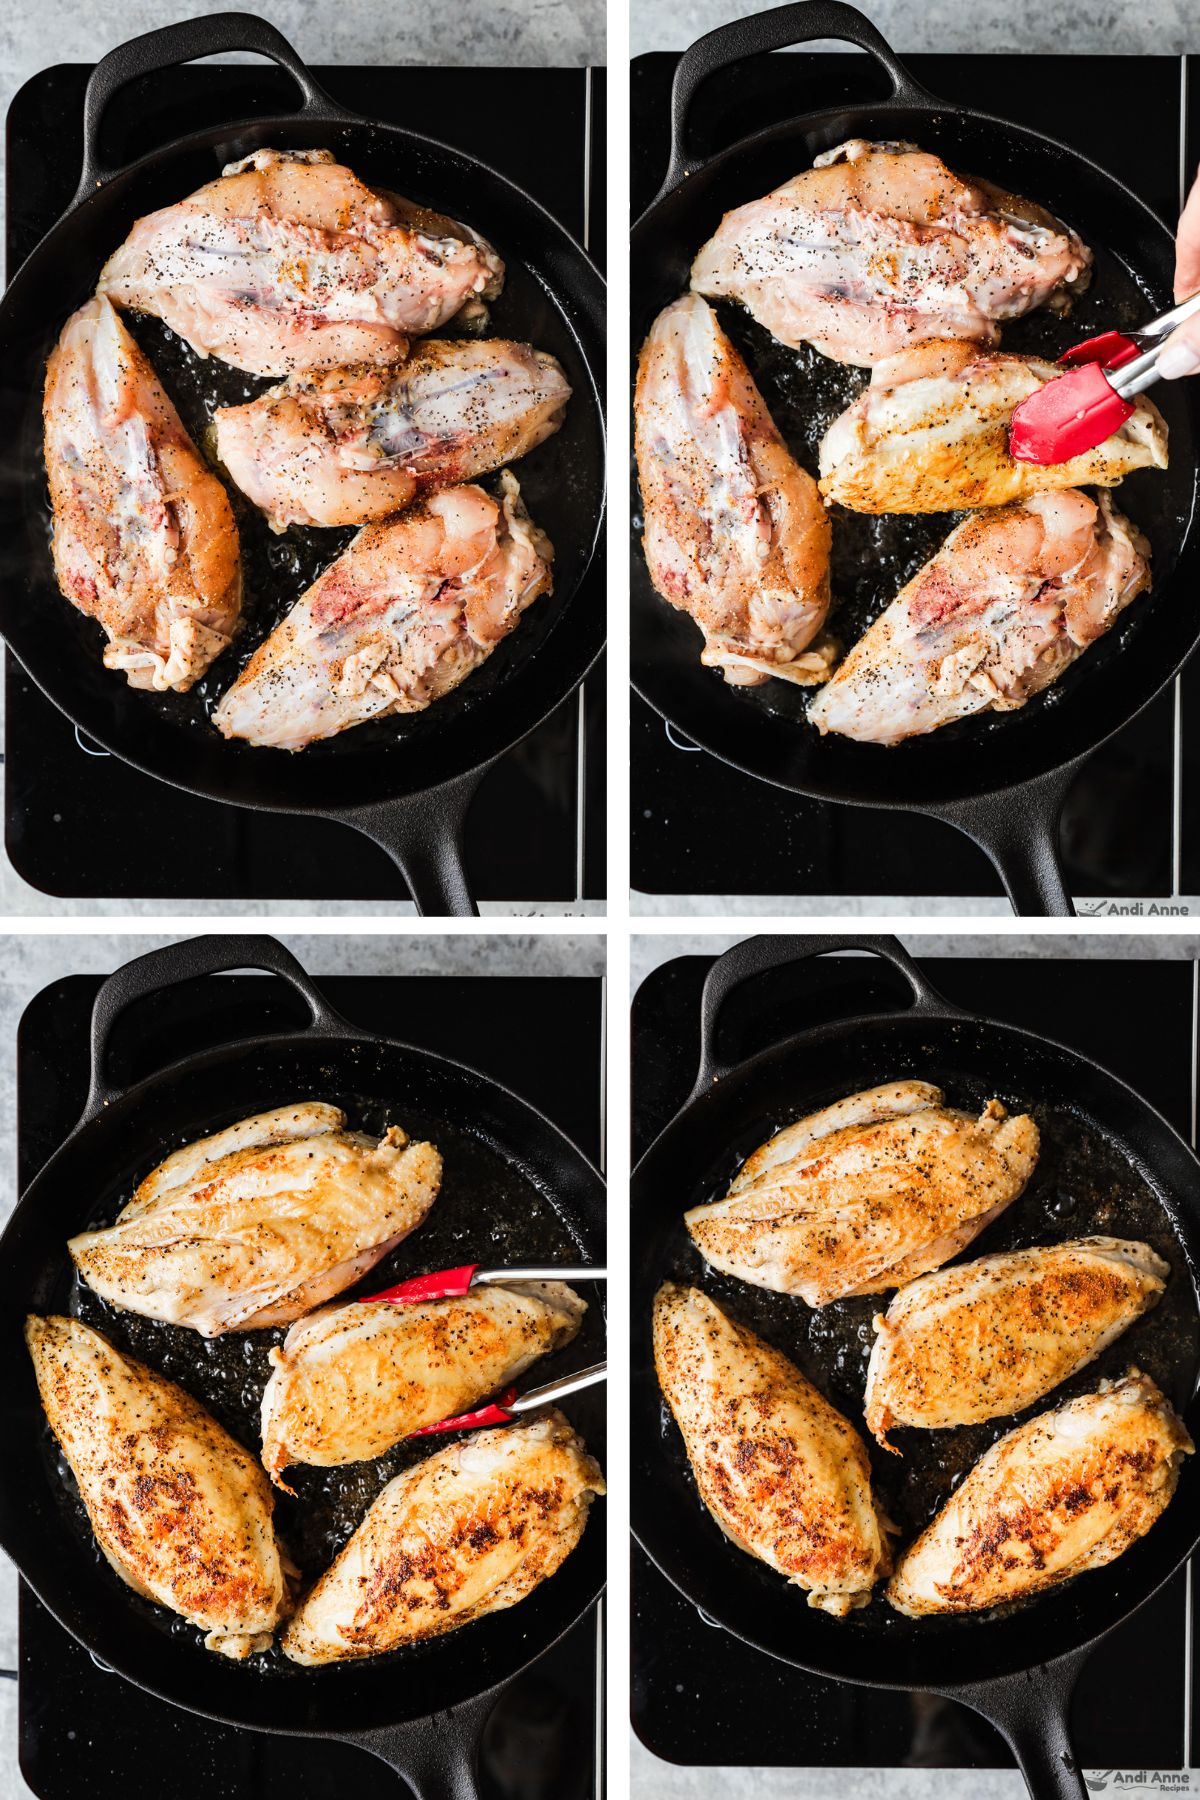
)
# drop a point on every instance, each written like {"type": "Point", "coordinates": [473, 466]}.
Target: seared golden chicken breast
{"type": "Point", "coordinates": [930, 434]}
{"type": "Point", "coordinates": [784, 1475]}
{"type": "Point", "coordinates": [1069, 1491]}
{"type": "Point", "coordinates": [181, 1511]}
{"type": "Point", "coordinates": [351, 1381]}
{"type": "Point", "coordinates": [880, 246]}
{"type": "Point", "coordinates": [736, 534]}
{"type": "Point", "coordinates": [866, 1194]}
{"type": "Point", "coordinates": [262, 1222]}
{"type": "Point", "coordinates": [471, 1530]}
{"type": "Point", "coordinates": [992, 1336]}
{"type": "Point", "coordinates": [1011, 599]}
{"type": "Point", "coordinates": [289, 262]}
{"type": "Point", "coordinates": [144, 538]}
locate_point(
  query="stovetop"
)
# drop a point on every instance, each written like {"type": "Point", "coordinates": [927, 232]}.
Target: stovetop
{"type": "Point", "coordinates": [85, 1733]}
{"type": "Point", "coordinates": [79, 822]}
{"type": "Point", "coordinates": [1130, 827]}
{"type": "Point", "coordinates": [701, 1697]}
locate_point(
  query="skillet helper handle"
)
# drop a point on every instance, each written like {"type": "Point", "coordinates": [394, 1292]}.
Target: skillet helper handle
{"type": "Point", "coordinates": [423, 835]}
{"type": "Point", "coordinates": [783, 28]}
{"type": "Point", "coordinates": [1018, 833]}
{"type": "Point", "coordinates": [437, 1756]}
{"type": "Point", "coordinates": [759, 955]}
{"type": "Point", "coordinates": [186, 961]}
{"type": "Point", "coordinates": [1032, 1710]}
{"type": "Point", "coordinates": [170, 46]}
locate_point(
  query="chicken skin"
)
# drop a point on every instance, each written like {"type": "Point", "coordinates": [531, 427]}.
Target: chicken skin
{"type": "Point", "coordinates": [866, 1194]}
{"type": "Point", "coordinates": [471, 1530]}
{"type": "Point", "coordinates": [351, 1381]}
{"type": "Point", "coordinates": [179, 1509]}
{"type": "Point", "coordinates": [260, 1223]}
{"type": "Point", "coordinates": [784, 1475]}
{"type": "Point", "coordinates": [289, 262]}
{"type": "Point", "coordinates": [736, 534]}
{"type": "Point", "coordinates": [991, 1337]}
{"type": "Point", "coordinates": [406, 613]}
{"type": "Point", "coordinates": [352, 445]}
{"type": "Point", "coordinates": [1012, 598]}
{"type": "Point", "coordinates": [144, 540]}
{"type": "Point", "coordinates": [1067, 1492]}
{"type": "Point", "coordinates": [930, 434]}
{"type": "Point", "coordinates": [879, 247]}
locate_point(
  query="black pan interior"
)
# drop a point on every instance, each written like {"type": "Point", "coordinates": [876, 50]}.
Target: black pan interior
{"type": "Point", "coordinates": [1109, 1165]}
{"type": "Point", "coordinates": [550, 298]}
{"type": "Point", "coordinates": [763, 730]}
{"type": "Point", "coordinates": [513, 1189]}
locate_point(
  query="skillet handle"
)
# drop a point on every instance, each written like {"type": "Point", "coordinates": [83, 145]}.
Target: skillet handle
{"type": "Point", "coordinates": [439, 1756]}
{"type": "Point", "coordinates": [758, 955]}
{"type": "Point", "coordinates": [186, 961]}
{"type": "Point", "coordinates": [1032, 1710]}
{"type": "Point", "coordinates": [166, 49]}
{"type": "Point", "coordinates": [423, 835]}
{"type": "Point", "coordinates": [783, 28]}
{"type": "Point", "coordinates": [1018, 833]}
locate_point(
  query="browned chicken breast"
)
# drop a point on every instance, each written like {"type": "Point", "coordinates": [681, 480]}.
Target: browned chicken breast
{"type": "Point", "coordinates": [930, 434]}
{"type": "Point", "coordinates": [866, 1194]}
{"type": "Point", "coordinates": [262, 1222]}
{"type": "Point", "coordinates": [736, 534]}
{"type": "Point", "coordinates": [881, 246]}
{"type": "Point", "coordinates": [992, 1336]}
{"type": "Point", "coordinates": [784, 1475]}
{"type": "Point", "coordinates": [144, 537]}
{"type": "Point", "coordinates": [472, 1530]}
{"type": "Point", "coordinates": [351, 1381]}
{"type": "Point", "coordinates": [179, 1509]}
{"type": "Point", "coordinates": [1068, 1492]}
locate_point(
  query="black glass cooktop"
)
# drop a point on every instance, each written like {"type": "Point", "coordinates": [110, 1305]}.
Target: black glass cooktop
{"type": "Point", "coordinates": [1131, 827]}
{"type": "Point", "coordinates": [701, 1697]}
{"type": "Point", "coordinates": [87, 1734]}
{"type": "Point", "coordinates": [78, 822]}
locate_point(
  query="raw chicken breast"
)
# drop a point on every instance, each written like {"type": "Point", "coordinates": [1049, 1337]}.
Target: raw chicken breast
{"type": "Point", "coordinates": [784, 1475]}
{"type": "Point", "coordinates": [470, 1531]}
{"type": "Point", "coordinates": [866, 1194]}
{"type": "Point", "coordinates": [930, 434]}
{"type": "Point", "coordinates": [736, 534]}
{"type": "Point", "coordinates": [879, 246]}
{"type": "Point", "coordinates": [180, 1510]}
{"type": "Point", "coordinates": [353, 445]}
{"type": "Point", "coordinates": [144, 539]}
{"type": "Point", "coordinates": [288, 261]}
{"type": "Point", "coordinates": [262, 1222]}
{"type": "Point", "coordinates": [1011, 599]}
{"type": "Point", "coordinates": [351, 1381]}
{"type": "Point", "coordinates": [402, 616]}
{"type": "Point", "coordinates": [1069, 1491]}
{"type": "Point", "coordinates": [993, 1336]}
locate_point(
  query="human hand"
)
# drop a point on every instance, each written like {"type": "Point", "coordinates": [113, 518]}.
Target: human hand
{"type": "Point", "coordinates": [1181, 353]}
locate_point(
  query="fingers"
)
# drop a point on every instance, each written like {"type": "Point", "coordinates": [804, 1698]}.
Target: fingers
{"type": "Point", "coordinates": [1181, 352]}
{"type": "Point", "coordinates": [1187, 246]}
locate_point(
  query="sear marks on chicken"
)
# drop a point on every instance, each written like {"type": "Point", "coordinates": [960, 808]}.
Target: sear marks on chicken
{"type": "Point", "coordinates": [471, 1530]}
{"type": "Point", "coordinates": [930, 434]}
{"type": "Point", "coordinates": [1067, 1492]}
{"type": "Point", "coordinates": [181, 1511]}
{"type": "Point", "coordinates": [784, 1475]}
{"type": "Point", "coordinates": [289, 262]}
{"type": "Point", "coordinates": [879, 247]}
{"type": "Point", "coordinates": [144, 539]}
{"type": "Point", "coordinates": [406, 613]}
{"type": "Point", "coordinates": [260, 1223]}
{"type": "Point", "coordinates": [349, 446]}
{"type": "Point", "coordinates": [736, 534]}
{"type": "Point", "coordinates": [351, 1381]}
{"type": "Point", "coordinates": [1011, 599]}
{"type": "Point", "coordinates": [991, 1337]}
{"type": "Point", "coordinates": [866, 1194]}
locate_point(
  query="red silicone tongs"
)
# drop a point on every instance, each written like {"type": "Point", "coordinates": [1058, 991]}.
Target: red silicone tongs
{"type": "Point", "coordinates": [1071, 415]}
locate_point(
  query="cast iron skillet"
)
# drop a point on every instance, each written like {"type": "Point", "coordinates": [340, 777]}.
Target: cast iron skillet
{"type": "Point", "coordinates": [1001, 779]}
{"type": "Point", "coordinates": [406, 783]}
{"type": "Point", "coordinates": [421, 1709]}
{"type": "Point", "coordinates": [1016, 1668]}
